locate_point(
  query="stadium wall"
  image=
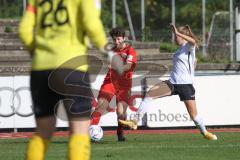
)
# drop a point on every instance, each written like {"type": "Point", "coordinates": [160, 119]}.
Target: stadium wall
{"type": "Point", "coordinates": [216, 96]}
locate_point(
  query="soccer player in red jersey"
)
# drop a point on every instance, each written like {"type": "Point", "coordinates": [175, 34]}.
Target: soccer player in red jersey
{"type": "Point", "coordinates": [115, 83]}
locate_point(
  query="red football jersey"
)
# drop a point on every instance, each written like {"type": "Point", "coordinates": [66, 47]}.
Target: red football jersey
{"type": "Point", "coordinates": [128, 55]}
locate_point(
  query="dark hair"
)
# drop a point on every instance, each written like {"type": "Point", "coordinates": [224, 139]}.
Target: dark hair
{"type": "Point", "coordinates": [117, 32]}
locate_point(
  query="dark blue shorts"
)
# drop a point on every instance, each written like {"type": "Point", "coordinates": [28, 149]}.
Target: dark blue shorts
{"type": "Point", "coordinates": [50, 87]}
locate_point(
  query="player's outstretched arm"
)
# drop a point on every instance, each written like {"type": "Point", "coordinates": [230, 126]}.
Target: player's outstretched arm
{"type": "Point", "coordinates": [187, 38]}
{"type": "Point", "coordinates": [94, 27]}
{"type": "Point", "coordinates": [92, 23]}
{"type": "Point", "coordinates": [26, 26]}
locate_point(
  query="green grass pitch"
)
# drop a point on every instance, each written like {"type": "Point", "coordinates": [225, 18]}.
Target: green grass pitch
{"type": "Point", "coordinates": [140, 147]}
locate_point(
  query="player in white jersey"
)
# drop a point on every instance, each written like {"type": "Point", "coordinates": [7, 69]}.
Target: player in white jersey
{"type": "Point", "coordinates": [180, 82]}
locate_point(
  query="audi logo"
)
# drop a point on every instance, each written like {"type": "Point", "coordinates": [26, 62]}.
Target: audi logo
{"type": "Point", "coordinates": [11, 102]}
{"type": "Point", "coordinates": [18, 102]}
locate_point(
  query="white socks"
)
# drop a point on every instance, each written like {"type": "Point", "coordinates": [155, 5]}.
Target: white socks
{"type": "Point", "coordinates": [142, 109]}
{"type": "Point", "coordinates": [199, 123]}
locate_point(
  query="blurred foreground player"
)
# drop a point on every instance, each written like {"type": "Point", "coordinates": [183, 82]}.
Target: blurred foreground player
{"type": "Point", "coordinates": [53, 31]}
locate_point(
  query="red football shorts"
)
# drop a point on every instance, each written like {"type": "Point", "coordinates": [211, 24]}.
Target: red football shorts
{"type": "Point", "coordinates": [108, 90]}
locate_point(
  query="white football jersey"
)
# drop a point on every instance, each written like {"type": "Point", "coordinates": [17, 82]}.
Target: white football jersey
{"type": "Point", "coordinates": [183, 65]}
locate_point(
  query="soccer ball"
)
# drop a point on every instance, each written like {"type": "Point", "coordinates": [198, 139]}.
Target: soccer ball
{"type": "Point", "coordinates": [95, 132]}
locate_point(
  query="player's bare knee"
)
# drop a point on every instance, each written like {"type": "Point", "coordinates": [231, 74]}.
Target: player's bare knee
{"type": "Point", "coordinates": [102, 105]}
{"type": "Point", "coordinates": [121, 113]}
{"type": "Point", "coordinates": [151, 93]}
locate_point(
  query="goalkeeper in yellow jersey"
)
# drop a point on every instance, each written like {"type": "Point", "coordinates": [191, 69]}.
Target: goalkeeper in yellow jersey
{"type": "Point", "coordinates": [53, 31]}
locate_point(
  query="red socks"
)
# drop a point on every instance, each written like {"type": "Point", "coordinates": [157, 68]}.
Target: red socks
{"type": "Point", "coordinates": [95, 118]}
